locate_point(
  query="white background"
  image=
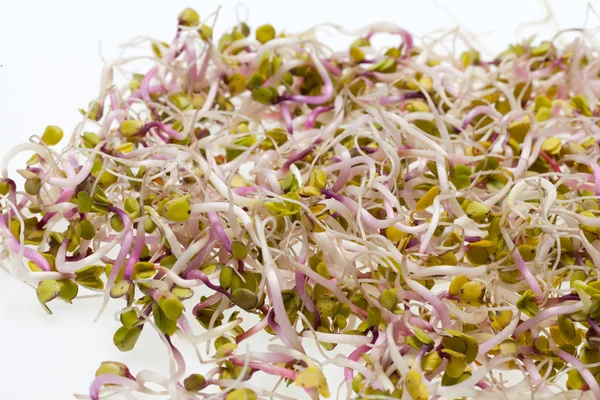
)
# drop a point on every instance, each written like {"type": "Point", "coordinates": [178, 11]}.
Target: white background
{"type": "Point", "coordinates": [50, 66]}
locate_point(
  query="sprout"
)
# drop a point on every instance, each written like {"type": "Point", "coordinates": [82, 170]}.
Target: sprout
{"type": "Point", "coordinates": [356, 197]}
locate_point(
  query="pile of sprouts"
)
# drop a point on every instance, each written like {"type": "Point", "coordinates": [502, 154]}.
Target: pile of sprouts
{"type": "Point", "coordinates": [436, 212]}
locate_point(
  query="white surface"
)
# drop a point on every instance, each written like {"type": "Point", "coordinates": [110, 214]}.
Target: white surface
{"type": "Point", "coordinates": [50, 67]}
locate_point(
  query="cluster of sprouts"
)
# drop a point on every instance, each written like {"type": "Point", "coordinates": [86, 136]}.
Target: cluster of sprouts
{"type": "Point", "coordinates": [436, 213]}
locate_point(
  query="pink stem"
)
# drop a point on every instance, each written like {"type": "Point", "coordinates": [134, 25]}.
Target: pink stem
{"type": "Point", "coordinates": [259, 327]}
{"type": "Point", "coordinates": [110, 379]}
{"type": "Point", "coordinates": [526, 273]}
{"type": "Point", "coordinates": [301, 289]}
{"type": "Point", "coordinates": [287, 116]}
{"type": "Point", "coordinates": [217, 228]}
{"type": "Point", "coordinates": [138, 246]}
{"type": "Point", "coordinates": [585, 373]}
{"type": "Point", "coordinates": [314, 114]}
{"type": "Point", "coordinates": [544, 315]}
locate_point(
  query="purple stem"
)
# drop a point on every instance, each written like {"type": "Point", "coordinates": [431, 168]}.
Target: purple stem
{"type": "Point", "coordinates": [296, 157]}
{"type": "Point", "coordinates": [525, 272]}
{"type": "Point", "coordinates": [199, 259]}
{"type": "Point", "coordinates": [544, 315]}
{"type": "Point", "coordinates": [594, 325]}
{"type": "Point", "coordinates": [197, 274]}
{"type": "Point", "coordinates": [355, 355]}
{"type": "Point", "coordinates": [218, 230]}
{"type": "Point", "coordinates": [163, 127]}
{"type": "Point", "coordinates": [301, 289]}
{"type": "Point", "coordinates": [478, 111]}
{"type": "Point", "coordinates": [138, 246]}
{"type": "Point", "coordinates": [314, 114]}
{"type": "Point", "coordinates": [585, 373]}
{"type": "Point", "coordinates": [62, 198]}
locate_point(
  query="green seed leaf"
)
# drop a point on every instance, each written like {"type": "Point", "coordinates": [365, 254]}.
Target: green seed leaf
{"type": "Point", "coordinates": [171, 306]}
{"type": "Point", "coordinates": [166, 325]}
{"type": "Point", "coordinates": [456, 366]}
{"type": "Point", "coordinates": [112, 368]}
{"type": "Point", "coordinates": [189, 17]}
{"type": "Point", "coordinates": [178, 210]}
{"type": "Point", "coordinates": [194, 383]}
{"type": "Point", "coordinates": [46, 291]}
{"type": "Point", "coordinates": [33, 186]}
{"type": "Point", "coordinates": [144, 269]}
{"type": "Point", "coordinates": [131, 127]}
{"type": "Point", "coordinates": [239, 250]}
{"type": "Point", "coordinates": [182, 293]}
{"type": "Point", "coordinates": [567, 327]}
{"type": "Point", "coordinates": [389, 298]}
{"type": "Point", "coordinates": [68, 290]}
{"type": "Point", "coordinates": [89, 277]}
{"type": "Point", "coordinates": [527, 304]}
{"type": "Point", "coordinates": [129, 318]}
{"type": "Point", "coordinates": [126, 338]}
{"type": "Point", "coordinates": [477, 211]}
{"type": "Point", "coordinates": [244, 299]}
{"type": "Point", "coordinates": [85, 229]}
{"type": "Point", "coordinates": [264, 95]}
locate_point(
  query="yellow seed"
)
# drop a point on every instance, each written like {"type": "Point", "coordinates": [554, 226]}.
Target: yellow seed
{"type": "Point", "coordinates": [556, 336]}
{"type": "Point", "coordinates": [317, 179]}
{"type": "Point", "coordinates": [427, 200]}
{"type": "Point", "coordinates": [477, 211]}
{"type": "Point", "coordinates": [501, 319]}
{"type": "Point", "coordinates": [125, 148]}
{"type": "Point", "coordinates": [456, 284]}
{"type": "Point", "coordinates": [518, 130]}
{"type": "Point", "coordinates": [265, 33]}
{"type": "Point", "coordinates": [580, 104]}
{"type": "Point", "coordinates": [541, 49]}
{"type": "Point", "coordinates": [394, 234]}
{"type": "Point", "coordinates": [426, 82]}
{"type": "Point", "coordinates": [189, 17]}
{"type": "Point", "coordinates": [508, 348]}
{"type": "Point", "coordinates": [310, 191]}
{"type": "Point", "coordinates": [177, 209]}
{"type": "Point", "coordinates": [543, 114]}
{"type": "Point", "coordinates": [542, 101]}
{"type": "Point", "coordinates": [471, 291]}
{"type": "Point", "coordinates": [552, 145]}
{"type": "Point", "coordinates": [238, 181]}
{"type": "Point", "coordinates": [417, 106]}
{"type": "Point", "coordinates": [52, 135]}
{"type": "Point", "coordinates": [413, 383]}
{"type": "Point", "coordinates": [356, 54]}
{"type": "Point", "coordinates": [131, 127]}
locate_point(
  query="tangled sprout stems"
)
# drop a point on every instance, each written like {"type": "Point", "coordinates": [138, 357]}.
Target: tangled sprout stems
{"type": "Point", "coordinates": [437, 212]}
